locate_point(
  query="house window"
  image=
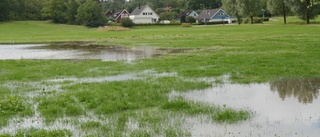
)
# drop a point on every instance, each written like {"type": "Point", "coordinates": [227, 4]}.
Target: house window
{"type": "Point", "coordinates": [150, 13]}
{"type": "Point", "coordinates": [144, 13]}
{"type": "Point", "coordinates": [221, 14]}
{"type": "Point", "coordinates": [194, 14]}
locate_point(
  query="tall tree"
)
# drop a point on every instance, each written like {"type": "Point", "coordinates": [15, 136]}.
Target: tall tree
{"type": "Point", "coordinates": [278, 7]}
{"type": "Point", "coordinates": [233, 8]}
{"type": "Point", "coordinates": [305, 9]}
{"type": "Point", "coordinates": [55, 10]}
{"type": "Point", "coordinates": [4, 10]}
{"type": "Point", "coordinates": [9, 10]}
{"type": "Point", "coordinates": [204, 4]}
{"type": "Point", "coordinates": [72, 11]}
{"type": "Point", "coordinates": [90, 14]}
{"type": "Point", "coordinates": [250, 8]}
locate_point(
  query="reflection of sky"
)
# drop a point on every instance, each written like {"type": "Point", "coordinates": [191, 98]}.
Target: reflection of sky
{"type": "Point", "coordinates": [317, 124]}
{"type": "Point", "coordinates": [105, 54]}
{"type": "Point", "coordinates": [273, 115]}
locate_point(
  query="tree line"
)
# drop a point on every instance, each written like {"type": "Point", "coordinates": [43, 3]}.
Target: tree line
{"type": "Point", "coordinates": [304, 9]}
{"type": "Point", "coordinates": [91, 12]}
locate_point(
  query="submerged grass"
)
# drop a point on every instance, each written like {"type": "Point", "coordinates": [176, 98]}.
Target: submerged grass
{"type": "Point", "coordinates": [141, 107]}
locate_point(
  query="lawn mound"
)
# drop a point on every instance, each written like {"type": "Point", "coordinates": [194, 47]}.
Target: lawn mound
{"type": "Point", "coordinates": [113, 28]}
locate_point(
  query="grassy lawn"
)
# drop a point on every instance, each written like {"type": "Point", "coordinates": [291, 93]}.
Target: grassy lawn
{"type": "Point", "coordinates": [141, 105]}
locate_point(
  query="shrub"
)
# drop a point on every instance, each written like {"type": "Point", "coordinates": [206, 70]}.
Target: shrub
{"type": "Point", "coordinates": [190, 19]}
{"type": "Point", "coordinates": [127, 22]}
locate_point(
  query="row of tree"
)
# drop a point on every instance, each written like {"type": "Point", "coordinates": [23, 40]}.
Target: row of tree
{"type": "Point", "coordinates": [304, 9]}
{"type": "Point", "coordinates": [90, 12]}
{"type": "Point", "coordinates": [80, 12]}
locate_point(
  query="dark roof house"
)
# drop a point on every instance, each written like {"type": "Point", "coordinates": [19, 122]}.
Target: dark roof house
{"type": "Point", "coordinates": [118, 15]}
{"type": "Point", "coordinates": [214, 15]}
{"type": "Point", "coordinates": [187, 13]}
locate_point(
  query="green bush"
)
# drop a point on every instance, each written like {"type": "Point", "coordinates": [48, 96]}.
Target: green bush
{"type": "Point", "coordinates": [190, 19]}
{"type": "Point", "coordinates": [127, 22]}
{"type": "Point", "coordinates": [255, 20]}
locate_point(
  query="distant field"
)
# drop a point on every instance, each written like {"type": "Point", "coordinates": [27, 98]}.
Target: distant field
{"type": "Point", "coordinates": [51, 91]}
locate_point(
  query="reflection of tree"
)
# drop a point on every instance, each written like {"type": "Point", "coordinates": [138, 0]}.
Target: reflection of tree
{"type": "Point", "coordinates": [305, 90]}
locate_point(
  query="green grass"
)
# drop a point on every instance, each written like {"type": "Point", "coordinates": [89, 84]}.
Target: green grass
{"type": "Point", "coordinates": [292, 20]}
{"type": "Point", "coordinates": [141, 107]}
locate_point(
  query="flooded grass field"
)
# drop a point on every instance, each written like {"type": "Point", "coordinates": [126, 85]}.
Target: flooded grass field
{"type": "Point", "coordinates": [247, 80]}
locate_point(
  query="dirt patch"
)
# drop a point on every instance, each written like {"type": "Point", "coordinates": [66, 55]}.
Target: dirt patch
{"type": "Point", "coordinates": [113, 28]}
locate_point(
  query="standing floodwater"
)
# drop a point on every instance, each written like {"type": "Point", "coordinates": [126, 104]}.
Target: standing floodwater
{"type": "Point", "coordinates": [105, 53]}
{"type": "Point", "coordinates": [283, 108]}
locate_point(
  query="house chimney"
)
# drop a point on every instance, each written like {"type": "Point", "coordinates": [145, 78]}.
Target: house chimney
{"type": "Point", "coordinates": [139, 5]}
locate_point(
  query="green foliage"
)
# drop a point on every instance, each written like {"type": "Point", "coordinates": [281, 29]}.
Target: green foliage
{"type": "Point", "coordinates": [203, 4]}
{"type": "Point", "coordinates": [90, 14]}
{"type": "Point", "coordinates": [250, 8]}
{"type": "Point", "coordinates": [168, 15]}
{"type": "Point", "coordinates": [5, 6]}
{"type": "Point", "coordinates": [233, 8]}
{"type": "Point", "coordinates": [190, 19]}
{"type": "Point", "coordinates": [72, 11]}
{"type": "Point", "coordinates": [55, 10]}
{"type": "Point", "coordinates": [127, 22]}
{"type": "Point", "coordinates": [305, 9]}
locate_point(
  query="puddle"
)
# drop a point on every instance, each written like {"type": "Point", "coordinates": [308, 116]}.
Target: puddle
{"type": "Point", "coordinates": [122, 77]}
{"type": "Point", "coordinates": [282, 108]}
{"type": "Point", "coordinates": [104, 53]}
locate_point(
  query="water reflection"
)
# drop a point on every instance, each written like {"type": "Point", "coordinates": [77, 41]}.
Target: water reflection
{"type": "Point", "coordinates": [305, 90]}
{"type": "Point", "coordinates": [274, 115]}
{"type": "Point", "coordinates": [73, 51]}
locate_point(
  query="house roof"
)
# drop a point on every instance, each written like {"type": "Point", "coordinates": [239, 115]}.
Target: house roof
{"type": "Point", "coordinates": [108, 13]}
{"type": "Point", "coordinates": [207, 14]}
{"type": "Point", "coordinates": [138, 10]}
{"type": "Point", "coordinates": [118, 14]}
{"type": "Point", "coordinates": [186, 13]}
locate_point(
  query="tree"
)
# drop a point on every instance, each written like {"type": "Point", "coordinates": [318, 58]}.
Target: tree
{"type": "Point", "coordinates": [278, 7]}
{"type": "Point", "coordinates": [233, 8]}
{"type": "Point", "coordinates": [4, 10]}
{"type": "Point", "coordinates": [168, 15]}
{"type": "Point", "coordinates": [250, 8]}
{"type": "Point", "coordinates": [90, 14]}
{"type": "Point", "coordinates": [31, 9]}
{"type": "Point", "coordinates": [305, 9]}
{"type": "Point", "coordinates": [9, 10]}
{"type": "Point", "coordinates": [72, 11]}
{"type": "Point", "coordinates": [55, 10]}
{"type": "Point", "coordinates": [183, 19]}
{"type": "Point", "coordinates": [203, 4]}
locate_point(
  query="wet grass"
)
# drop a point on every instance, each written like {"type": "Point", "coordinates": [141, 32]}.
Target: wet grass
{"type": "Point", "coordinates": [142, 107]}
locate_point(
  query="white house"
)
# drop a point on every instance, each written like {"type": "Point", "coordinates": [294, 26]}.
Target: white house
{"type": "Point", "coordinates": [144, 15]}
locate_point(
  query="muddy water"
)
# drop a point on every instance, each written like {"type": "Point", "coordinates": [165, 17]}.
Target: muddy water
{"type": "Point", "coordinates": [105, 53]}
{"type": "Point", "coordinates": [282, 108]}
